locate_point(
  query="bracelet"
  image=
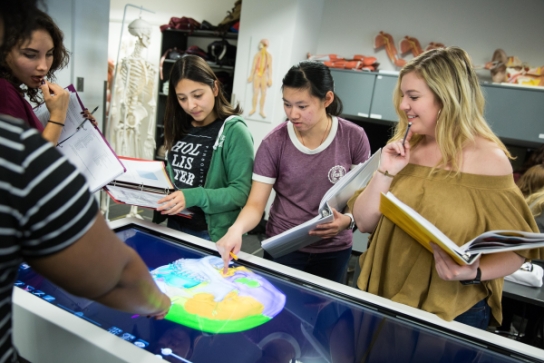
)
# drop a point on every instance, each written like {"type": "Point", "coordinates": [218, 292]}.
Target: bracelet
{"type": "Point", "coordinates": [386, 173]}
{"type": "Point", "coordinates": [56, 123]}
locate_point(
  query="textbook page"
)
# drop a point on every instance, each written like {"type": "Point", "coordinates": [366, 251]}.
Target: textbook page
{"type": "Point", "coordinates": [90, 153]}
{"type": "Point", "coordinates": [424, 232]}
{"type": "Point", "coordinates": [420, 228]}
{"type": "Point", "coordinates": [338, 195]}
{"type": "Point", "coordinates": [294, 238]}
{"type": "Point", "coordinates": [146, 173]}
{"type": "Point", "coordinates": [84, 145]}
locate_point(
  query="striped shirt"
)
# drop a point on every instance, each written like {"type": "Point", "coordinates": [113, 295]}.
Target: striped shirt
{"type": "Point", "coordinates": [45, 206]}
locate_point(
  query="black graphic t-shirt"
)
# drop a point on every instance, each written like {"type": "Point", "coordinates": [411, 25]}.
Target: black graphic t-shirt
{"type": "Point", "coordinates": [190, 159]}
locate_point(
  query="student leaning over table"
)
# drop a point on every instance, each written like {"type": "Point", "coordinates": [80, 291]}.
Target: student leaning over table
{"type": "Point", "coordinates": [209, 152]}
{"type": "Point", "coordinates": [455, 172]}
{"type": "Point", "coordinates": [49, 219]}
{"type": "Point", "coordinates": [301, 159]}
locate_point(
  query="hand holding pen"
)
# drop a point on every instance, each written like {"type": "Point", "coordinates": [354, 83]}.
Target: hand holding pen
{"type": "Point", "coordinates": [88, 117]}
{"type": "Point", "coordinates": [406, 133]}
{"type": "Point", "coordinates": [395, 155]}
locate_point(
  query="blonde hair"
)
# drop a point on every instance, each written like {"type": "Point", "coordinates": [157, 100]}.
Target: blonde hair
{"type": "Point", "coordinates": [449, 73]}
{"type": "Point", "coordinates": [536, 202]}
{"type": "Point", "coordinates": [532, 180]}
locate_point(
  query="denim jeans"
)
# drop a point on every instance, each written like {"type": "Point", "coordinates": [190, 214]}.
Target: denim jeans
{"type": "Point", "coordinates": [204, 234]}
{"type": "Point", "coordinates": [329, 265]}
{"type": "Point", "coordinates": [477, 316]}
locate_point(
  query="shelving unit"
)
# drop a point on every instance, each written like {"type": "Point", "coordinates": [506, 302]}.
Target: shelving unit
{"type": "Point", "coordinates": [513, 112]}
{"type": "Point", "coordinates": [182, 39]}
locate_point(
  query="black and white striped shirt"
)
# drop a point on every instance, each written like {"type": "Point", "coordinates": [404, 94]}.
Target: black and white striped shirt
{"type": "Point", "coordinates": [45, 206]}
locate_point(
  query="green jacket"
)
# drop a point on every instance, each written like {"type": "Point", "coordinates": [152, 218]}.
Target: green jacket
{"type": "Point", "coordinates": [228, 180]}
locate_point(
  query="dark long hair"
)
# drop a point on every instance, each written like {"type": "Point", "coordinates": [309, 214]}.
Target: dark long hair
{"type": "Point", "coordinates": [18, 17]}
{"type": "Point", "coordinates": [61, 56]}
{"type": "Point", "coordinates": [315, 77]}
{"type": "Point", "coordinates": [176, 120]}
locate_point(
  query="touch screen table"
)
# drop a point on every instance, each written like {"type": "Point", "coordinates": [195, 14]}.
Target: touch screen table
{"type": "Point", "coordinates": [259, 312]}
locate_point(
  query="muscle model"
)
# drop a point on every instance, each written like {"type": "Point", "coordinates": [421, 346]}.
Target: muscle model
{"type": "Point", "coordinates": [261, 76]}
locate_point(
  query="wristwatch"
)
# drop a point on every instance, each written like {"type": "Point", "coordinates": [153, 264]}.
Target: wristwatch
{"type": "Point", "coordinates": [476, 279]}
{"type": "Point", "coordinates": [352, 223]}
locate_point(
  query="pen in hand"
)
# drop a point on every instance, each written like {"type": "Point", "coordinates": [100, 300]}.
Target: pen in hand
{"type": "Point", "coordinates": [406, 133]}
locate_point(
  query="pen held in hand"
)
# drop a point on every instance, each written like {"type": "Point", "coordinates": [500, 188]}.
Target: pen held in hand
{"type": "Point", "coordinates": [406, 133]}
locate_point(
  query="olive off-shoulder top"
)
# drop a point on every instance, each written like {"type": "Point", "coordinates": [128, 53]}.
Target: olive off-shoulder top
{"type": "Point", "coordinates": [463, 206]}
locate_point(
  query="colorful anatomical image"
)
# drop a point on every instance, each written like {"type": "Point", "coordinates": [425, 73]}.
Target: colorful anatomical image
{"type": "Point", "coordinates": [205, 299]}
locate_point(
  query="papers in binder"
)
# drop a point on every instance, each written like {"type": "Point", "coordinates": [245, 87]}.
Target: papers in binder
{"type": "Point", "coordinates": [336, 197]}
{"type": "Point", "coordinates": [144, 184]}
{"type": "Point", "coordinates": [425, 232]}
{"type": "Point", "coordinates": [85, 147]}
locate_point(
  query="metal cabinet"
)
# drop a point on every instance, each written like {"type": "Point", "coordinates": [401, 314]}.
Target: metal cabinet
{"type": "Point", "coordinates": [382, 100]}
{"type": "Point", "coordinates": [515, 113]}
{"type": "Point", "coordinates": [355, 90]}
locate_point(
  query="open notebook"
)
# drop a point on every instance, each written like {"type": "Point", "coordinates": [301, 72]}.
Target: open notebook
{"type": "Point", "coordinates": [144, 184]}
{"type": "Point", "coordinates": [425, 232]}
{"type": "Point", "coordinates": [336, 197]}
{"type": "Point", "coordinates": [84, 145]}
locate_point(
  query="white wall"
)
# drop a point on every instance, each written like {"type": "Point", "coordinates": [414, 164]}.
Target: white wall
{"type": "Point", "coordinates": [292, 28]}
{"type": "Point", "coordinates": [479, 27]}
{"type": "Point", "coordinates": [84, 24]}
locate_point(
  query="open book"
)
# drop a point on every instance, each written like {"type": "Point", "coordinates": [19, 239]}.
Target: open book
{"type": "Point", "coordinates": [84, 145]}
{"type": "Point", "coordinates": [144, 184]}
{"type": "Point", "coordinates": [336, 197]}
{"type": "Point", "coordinates": [425, 232]}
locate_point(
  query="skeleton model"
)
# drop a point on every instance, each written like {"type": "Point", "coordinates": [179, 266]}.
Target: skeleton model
{"type": "Point", "coordinates": [132, 124]}
{"type": "Point", "coordinates": [131, 129]}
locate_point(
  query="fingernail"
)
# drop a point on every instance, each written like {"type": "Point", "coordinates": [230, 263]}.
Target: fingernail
{"type": "Point", "coordinates": [43, 81]}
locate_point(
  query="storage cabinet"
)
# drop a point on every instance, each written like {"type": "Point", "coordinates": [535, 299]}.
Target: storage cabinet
{"type": "Point", "coordinates": [382, 101]}
{"type": "Point", "coordinates": [183, 39]}
{"type": "Point", "coordinates": [515, 113]}
{"type": "Point", "coordinates": [355, 91]}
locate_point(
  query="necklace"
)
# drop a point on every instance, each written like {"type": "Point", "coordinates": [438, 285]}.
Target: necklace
{"type": "Point", "coordinates": [322, 139]}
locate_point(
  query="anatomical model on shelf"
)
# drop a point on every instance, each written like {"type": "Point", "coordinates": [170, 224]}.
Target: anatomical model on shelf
{"type": "Point", "coordinates": [407, 45]}
{"type": "Point", "coordinates": [358, 61]}
{"type": "Point", "coordinates": [385, 40]}
{"type": "Point", "coordinates": [506, 69]}
{"type": "Point", "coordinates": [131, 130]}
{"type": "Point", "coordinates": [411, 45]}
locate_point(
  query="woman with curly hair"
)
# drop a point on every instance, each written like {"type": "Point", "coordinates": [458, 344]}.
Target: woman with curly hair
{"type": "Point", "coordinates": [27, 67]}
